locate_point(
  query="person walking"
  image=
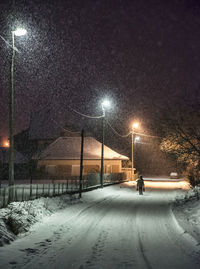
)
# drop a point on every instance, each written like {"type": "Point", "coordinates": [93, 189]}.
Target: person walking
{"type": "Point", "coordinates": [140, 185]}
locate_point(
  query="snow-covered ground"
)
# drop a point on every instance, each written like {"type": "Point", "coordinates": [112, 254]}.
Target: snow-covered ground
{"type": "Point", "coordinates": [112, 227]}
{"type": "Point", "coordinates": [187, 211]}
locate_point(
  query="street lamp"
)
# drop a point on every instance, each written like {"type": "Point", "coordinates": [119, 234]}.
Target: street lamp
{"type": "Point", "coordinates": [137, 138]}
{"type": "Point", "coordinates": [135, 125]}
{"type": "Point", "coordinates": [104, 104]}
{"type": "Point", "coordinates": [17, 32]}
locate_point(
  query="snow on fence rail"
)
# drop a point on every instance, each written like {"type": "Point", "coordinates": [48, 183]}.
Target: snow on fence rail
{"type": "Point", "coordinates": [23, 192]}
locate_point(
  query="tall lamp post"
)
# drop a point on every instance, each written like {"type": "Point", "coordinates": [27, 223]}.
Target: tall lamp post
{"type": "Point", "coordinates": [135, 125]}
{"type": "Point", "coordinates": [104, 104]}
{"type": "Point", "coordinates": [17, 32]}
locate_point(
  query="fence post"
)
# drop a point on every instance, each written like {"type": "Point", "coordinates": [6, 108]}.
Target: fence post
{"type": "Point", "coordinates": [53, 189]}
{"type": "Point", "coordinates": [81, 165]}
{"type": "Point", "coordinates": [4, 197]}
{"type": "Point", "coordinates": [30, 190]}
{"type": "Point", "coordinates": [36, 192]}
{"type": "Point", "coordinates": [10, 194]}
{"type": "Point", "coordinates": [62, 187]}
{"type": "Point", "coordinates": [58, 188]}
{"type": "Point", "coordinates": [16, 194]}
{"type": "Point", "coordinates": [49, 189]}
{"type": "Point", "coordinates": [22, 194]}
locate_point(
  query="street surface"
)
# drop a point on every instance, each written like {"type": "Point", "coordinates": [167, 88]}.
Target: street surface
{"type": "Point", "coordinates": [113, 228]}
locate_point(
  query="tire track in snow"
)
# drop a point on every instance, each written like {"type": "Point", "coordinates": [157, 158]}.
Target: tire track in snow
{"type": "Point", "coordinates": [97, 249]}
{"type": "Point", "coordinates": [142, 250]}
{"type": "Point", "coordinates": [46, 245]}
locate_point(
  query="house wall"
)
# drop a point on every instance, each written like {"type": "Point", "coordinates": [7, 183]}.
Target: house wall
{"type": "Point", "coordinates": [72, 167]}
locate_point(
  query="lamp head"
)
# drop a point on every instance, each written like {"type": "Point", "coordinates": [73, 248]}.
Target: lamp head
{"type": "Point", "coordinates": [135, 125]}
{"type": "Point", "coordinates": [105, 104]}
{"type": "Point", "coordinates": [20, 32]}
{"type": "Point", "coordinates": [137, 138]}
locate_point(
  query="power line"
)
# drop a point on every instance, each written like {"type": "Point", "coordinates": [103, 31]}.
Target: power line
{"type": "Point", "coordinates": [144, 143]}
{"type": "Point", "coordinates": [87, 116]}
{"type": "Point", "coordinates": [9, 44]}
{"type": "Point", "coordinates": [64, 128]}
{"type": "Point", "coordinates": [148, 135]}
{"type": "Point", "coordinates": [116, 131]}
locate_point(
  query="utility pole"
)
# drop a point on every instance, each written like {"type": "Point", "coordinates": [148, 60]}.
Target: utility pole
{"type": "Point", "coordinates": [134, 126]}
{"type": "Point", "coordinates": [17, 32]}
{"type": "Point", "coordinates": [81, 165]}
{"type": "Point", "coordinates": [102, 151]}
{"type": "Point", "coordinates": [104, 104]}
{"type": "Point", "coordinates": [11, 121]}
{"type": "Point", "coordinates": [132, 157]}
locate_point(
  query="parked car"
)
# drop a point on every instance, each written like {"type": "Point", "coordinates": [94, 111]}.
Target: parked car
{"type": "Point", "coordinates": [173, 175]}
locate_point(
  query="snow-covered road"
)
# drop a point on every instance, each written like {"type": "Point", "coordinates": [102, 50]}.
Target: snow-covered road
{"type": "Point", "coordinates": [112, 227]}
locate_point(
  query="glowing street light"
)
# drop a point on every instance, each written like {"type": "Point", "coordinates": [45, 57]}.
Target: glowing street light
{"type": "Point", "coordinates": [105, 104]}
{"type": "Point", "coordinates": [137, 138]}
{"type": "Point", "coordinates": [135, 125]}
{"type": "Point", "coordinates": [20, 32]}
{"type": "Point", "coordinates": [17, 32]}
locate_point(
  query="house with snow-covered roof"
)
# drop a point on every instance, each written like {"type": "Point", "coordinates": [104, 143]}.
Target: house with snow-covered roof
{"type": "Point", "coordinates": [62, 157]}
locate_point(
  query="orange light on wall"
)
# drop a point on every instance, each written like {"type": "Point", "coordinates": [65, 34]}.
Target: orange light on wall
{"type": "Point", "coordinates": [6, 144]}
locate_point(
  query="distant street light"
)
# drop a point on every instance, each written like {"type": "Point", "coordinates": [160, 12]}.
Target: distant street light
{"type": "Point", "coordinates": [20, 32]}
{"type": "Point", "coordinates": [137, 138]}
{"type": "Point", "coordinates": [104, 104]}
{"type": "Point", "coordinates": [17, 32]}
{"type": "Point", "coordinates": [135, 125]}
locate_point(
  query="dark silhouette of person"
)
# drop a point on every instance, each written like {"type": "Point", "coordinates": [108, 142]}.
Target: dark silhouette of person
{"type": "Point", "coordinates": [140, 185]}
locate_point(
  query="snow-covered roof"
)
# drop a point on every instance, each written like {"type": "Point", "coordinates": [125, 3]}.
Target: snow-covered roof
{"type": "Point", "coordinates": [4, 156]}
{"type": "Point", "coordinates": [69, 148]}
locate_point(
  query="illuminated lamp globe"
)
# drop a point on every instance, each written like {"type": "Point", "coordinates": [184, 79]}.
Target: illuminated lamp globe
{"type": "Point", "coordinates": [137, 138]}
{"type": "Point", "coordinates": [135, 125]}
{"type": "Point", "coordinates": [106, 103]}
{"type": "Point", "coordinates": [20, 32]}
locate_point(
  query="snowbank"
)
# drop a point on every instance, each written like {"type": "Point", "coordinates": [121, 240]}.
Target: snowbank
{"type": "Point", "coordinates": [18, 217]}
{"type": "Point", "coordinates": [187, 211]}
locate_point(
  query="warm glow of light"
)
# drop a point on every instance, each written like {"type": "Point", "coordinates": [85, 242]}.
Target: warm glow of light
{"type": "Point", "coordinates": [6, 144]}
{"type": "Point", "coordinates": [135, 125]}
{"type": "Point", "coordinates": [20, 32]}
{"type": "Point", "coordinates": [165, 185]}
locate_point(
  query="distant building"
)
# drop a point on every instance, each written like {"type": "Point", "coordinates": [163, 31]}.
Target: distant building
{"type": "Point", "coordinates": [62, 157]}
{"type": "Point", "coordinates": [20, 161]}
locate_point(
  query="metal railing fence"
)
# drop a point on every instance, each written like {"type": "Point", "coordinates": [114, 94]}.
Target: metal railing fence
{"type": "Point", "coordinates": [50, 188]}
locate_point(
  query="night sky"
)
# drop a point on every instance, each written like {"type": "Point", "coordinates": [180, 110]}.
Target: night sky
{"type": "Point", "coordinates": [140, 54]}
